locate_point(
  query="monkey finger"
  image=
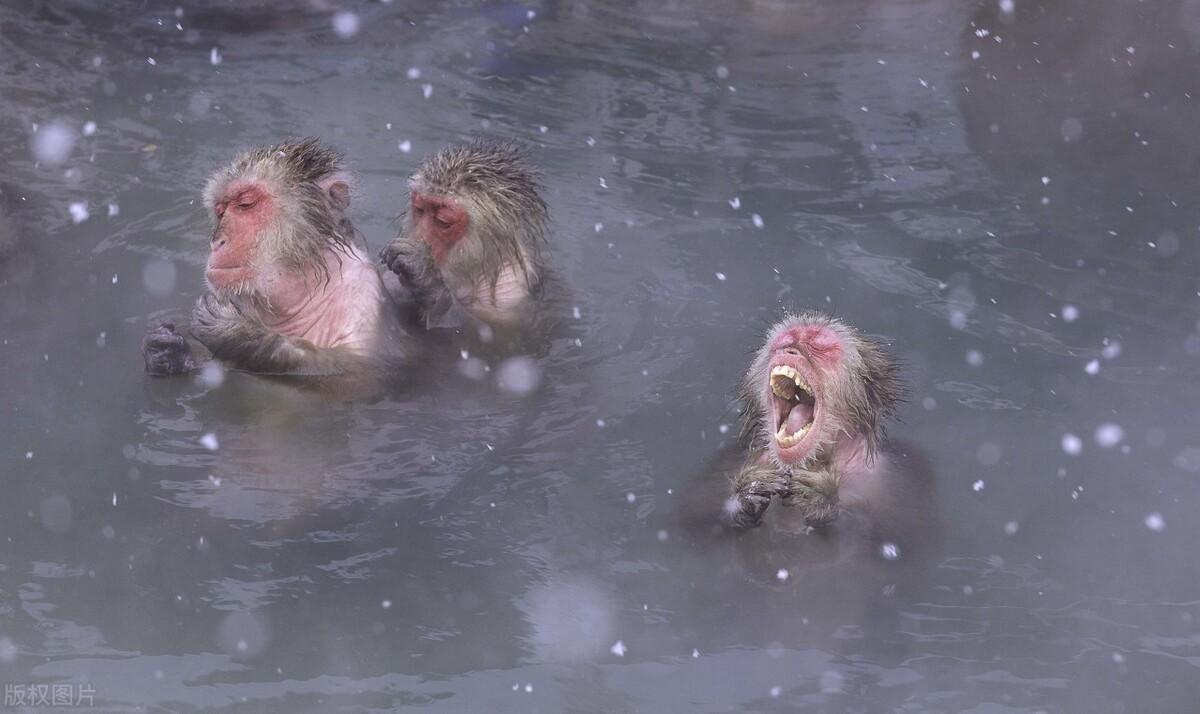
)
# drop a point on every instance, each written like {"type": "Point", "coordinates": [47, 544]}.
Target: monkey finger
{"type": "Point", "coordinates": [164, 330]}
{"type": "Point", "coordinates": [163, 341]}
{"type": "Point", "coordinates": [169, 360]}
{"type": "Point", "coordinates": [394, 256]}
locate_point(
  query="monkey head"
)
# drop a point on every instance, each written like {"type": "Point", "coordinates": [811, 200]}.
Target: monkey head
{"type": "Point", "coordinates": [441, 221]}
{"type": "Point", "coordinates": [817, 383]}
{"type": "Point", "coordinates": [476, 206]}
{"type": "Point", "coordinates": [275, 211]}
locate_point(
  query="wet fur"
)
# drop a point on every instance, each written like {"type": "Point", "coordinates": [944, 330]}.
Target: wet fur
{"type": "Point", "coordinates": [499, 190]}
{"type": "Point", "coordinates": [308, 224]}
{"type": "Point", "coordinates": [311, 193]}
{"type": "Point", "coordinates": [857, 399]}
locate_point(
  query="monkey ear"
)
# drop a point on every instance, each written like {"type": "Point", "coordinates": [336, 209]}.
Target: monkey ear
{"type": "Point", "coordinates": [338, 190]}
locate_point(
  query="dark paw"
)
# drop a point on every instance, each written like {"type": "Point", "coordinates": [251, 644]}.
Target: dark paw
{"type": "Point", "coordinates": [745, 510]}
{"type": "Point", "coordinates": [167, 352]}
{"type": "Point", "coordinates": [399, 257]}
{"type": "Point", "coordinates": [818, 510]}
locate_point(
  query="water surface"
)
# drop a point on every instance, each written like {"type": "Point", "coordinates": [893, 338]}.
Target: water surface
{"type": "Point", "coordinates": [1009, 196]}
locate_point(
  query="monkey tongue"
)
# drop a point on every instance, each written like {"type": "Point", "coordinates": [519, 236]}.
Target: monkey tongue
{"type": "Point", "coordinates": [800, 416]}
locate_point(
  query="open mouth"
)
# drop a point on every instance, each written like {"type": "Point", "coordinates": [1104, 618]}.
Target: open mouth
{"type": "Point", "coordinates": [794, 405]}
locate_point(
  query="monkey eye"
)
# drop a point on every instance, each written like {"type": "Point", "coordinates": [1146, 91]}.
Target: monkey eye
{"type": "Point", "coordinates": [441, 224]}
{"type": "Point", "coordinates": [245, 200]}
{"type": "Point", "coordinates": [791, 351]}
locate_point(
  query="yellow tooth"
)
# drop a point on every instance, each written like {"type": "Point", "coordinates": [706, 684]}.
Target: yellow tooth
{"type": "Point", "coordinates": [778, 390]}
{"type": "Point", "coordinates": [785, 371]}
{"type": "Point", "coordinates": [787, 440]}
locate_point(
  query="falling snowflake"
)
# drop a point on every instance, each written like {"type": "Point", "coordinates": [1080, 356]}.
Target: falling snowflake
{"type": "Point", "coordinates": [1109, 435]}
{"type": "Point", "coordinates": [1071, 444]}
{"type": "Point", "coordinates": [346, 24]}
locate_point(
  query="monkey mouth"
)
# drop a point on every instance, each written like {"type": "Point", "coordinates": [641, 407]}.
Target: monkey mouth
{"type": "Point", "coordinates": [793, 405]}
{"type": "Point", "coordinates": [225, 276]}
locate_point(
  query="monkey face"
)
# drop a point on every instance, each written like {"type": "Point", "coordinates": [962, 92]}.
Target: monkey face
{"type": "Point", "coordinates": [800, 377]}
{"type": "Point", "coordinates": [818, 389]}
{"type": "Point", "coordinates": [439, 221]}
{"type": "Point", "coordinates": [242, 212]}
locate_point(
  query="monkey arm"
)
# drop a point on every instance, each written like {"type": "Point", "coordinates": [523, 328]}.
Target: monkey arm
{"type": "Point", "coordinates": [233, 335]}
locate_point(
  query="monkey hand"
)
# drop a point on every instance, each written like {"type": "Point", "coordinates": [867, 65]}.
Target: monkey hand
{"type": "Point", "coordinates": [167, 352]}
{"type": "Point", "coordinates": [745, 509]}
{"type": "Point", "coordinates": [753, 487]}
{"type": "Point", "coordinates": [412, 262]}
{"type": "Point", "coordinates": [406, 259]}
{"type": "Point", "coordinates": [815, 493]}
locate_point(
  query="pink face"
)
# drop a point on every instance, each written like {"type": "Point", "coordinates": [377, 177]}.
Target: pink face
{"type": "Point", "coordinates": [242, 212]}
{"type": "Point", "coordinates": [440, 221]}
{"type": "Point", "coordinates": [801, 360]}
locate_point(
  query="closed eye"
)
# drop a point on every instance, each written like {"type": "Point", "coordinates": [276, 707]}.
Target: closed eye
{"type": "Point", "coordinates": [441, 224]}
{"type": "Point", "coordinates": [246, 200]}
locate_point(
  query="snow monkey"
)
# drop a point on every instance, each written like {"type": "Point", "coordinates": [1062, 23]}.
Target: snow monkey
{"type": "Point", "coordinates": [817, 397]}
{"type": "Point", "coordinates": [290, 289]}
{"type": "Point", "coordinates": [472, 242]}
